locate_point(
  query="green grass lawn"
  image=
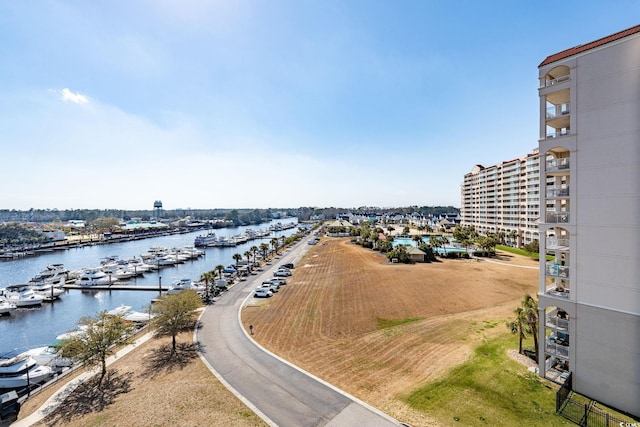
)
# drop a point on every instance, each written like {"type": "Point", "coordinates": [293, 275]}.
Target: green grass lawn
{"type": "Point", "coordinates": [490, 389]}
{"type": "Point", "coordinates": [518, 251]}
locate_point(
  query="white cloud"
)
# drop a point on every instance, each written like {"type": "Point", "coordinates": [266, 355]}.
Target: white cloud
{"type": "Point", "coordinates": [76, 98]}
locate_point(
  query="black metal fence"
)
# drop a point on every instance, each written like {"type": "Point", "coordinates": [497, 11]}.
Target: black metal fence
{"type": "Point", "coordinates": [563, 394]}
{"type": "Point", "coordinates": [588, 415]}
{"type": "Point", "coordinates": [583, 414]}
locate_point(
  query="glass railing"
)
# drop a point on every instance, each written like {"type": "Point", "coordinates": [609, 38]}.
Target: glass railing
{"type": "Point", "coordinates": [558, 191]}
{"type": "Point", "coordinates": [554, 242]}
{"type": "Point", "coordinates": [558, 134]}
{"type": "Point", "coordinates": [554, 111]}
{"type": "Point", "coordinates": [557, 349]}
{"type": "Point", "coordinates": [553, 217]}
{"type": "Point", "coordinates": [557, 164]}
{"type": "Point", "coordinates": [554, 269]}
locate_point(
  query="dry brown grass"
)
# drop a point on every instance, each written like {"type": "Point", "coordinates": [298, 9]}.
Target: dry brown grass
{"type": "Point", "coordinates": [327, 320]}
{"type": "Point", "coordinates": [330, 319]}
{"type": "Point", "coordinates": [148, 388]}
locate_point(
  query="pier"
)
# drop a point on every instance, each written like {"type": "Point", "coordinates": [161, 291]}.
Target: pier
{"type": "Point", "coordinates": [117, 287]}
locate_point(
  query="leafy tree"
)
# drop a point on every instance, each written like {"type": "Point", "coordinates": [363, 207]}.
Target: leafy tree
{"type": "Point", "coordinates": [532, 248]}
{"type": "Point", "coordinates": [102, 334]}
{"type": "Point", "coordinates": [175, 313]}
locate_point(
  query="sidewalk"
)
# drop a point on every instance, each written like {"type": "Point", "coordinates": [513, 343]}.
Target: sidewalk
{"type": "Point", "coordinates": [59, 396]}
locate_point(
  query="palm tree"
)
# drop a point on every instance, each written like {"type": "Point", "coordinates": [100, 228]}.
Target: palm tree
{"type": "Point", "coordinates": [207, 278]}
{"type": "Point", "coordinates": [264, 247]}
{"type": "Point", "coordinates": [519, 326]}
{"type": "Point", "coordinates": [237, 258]}
{"type": "Point", "coordinates": [418, 239]}
{"type": "Point", "coordinates": [274, 244]}
{"type": "Point", "coordinates": [254, 250]}
{"type": "Point", "coordinates": [248, 255]}
{"type": "Point", "coordinates": [530, 310]}
{"type": "Point", "coordinates": [219, 269]}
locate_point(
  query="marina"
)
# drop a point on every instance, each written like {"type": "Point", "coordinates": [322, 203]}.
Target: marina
{"type": "Point", "coordinates": [27, 328]}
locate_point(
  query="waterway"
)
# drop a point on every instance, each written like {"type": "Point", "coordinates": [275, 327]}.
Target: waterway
{"type": "Point", "coordinates": [27, 328]}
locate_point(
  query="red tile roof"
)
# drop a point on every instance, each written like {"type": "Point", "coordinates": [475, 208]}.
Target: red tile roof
{"type": "Point", "coordinates": [584, 47]}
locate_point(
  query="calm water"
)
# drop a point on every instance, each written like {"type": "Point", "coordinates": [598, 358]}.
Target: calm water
{"type": "Point", "coordinates": [33, 327]}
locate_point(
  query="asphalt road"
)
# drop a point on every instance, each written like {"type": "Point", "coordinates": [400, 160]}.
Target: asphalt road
{"type": "Point", "coordinates": [280, 393]}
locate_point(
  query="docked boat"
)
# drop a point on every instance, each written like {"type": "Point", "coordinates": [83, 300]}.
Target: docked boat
{"type": "Point", "coordinates": [47, 291]}
{"type": "Point", "coordinates": [21, 296]}
{"type": "Point", "coordinates": [180, 285]}
{"type": "Point", "coordinates": [6, 307]}
{"type": "Point", "coordinates": [95, 277]}
{"type": "Point", "coordinates": [53, 274]}
{"type": "Point", "coordinates": [206, 240]}
{"type": "Point", "coordinates": [22, 371]}
{"type": "Point", "coordinates": [138, 316]}
{"type": "Point", "coordinates": [119, 311]}
{"type": "Point", "coordinates": [48, 356]}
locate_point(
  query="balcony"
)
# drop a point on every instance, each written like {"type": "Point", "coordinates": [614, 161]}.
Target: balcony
{"type": "Point", "coordinates": [558, 133]}
{"type": "Point", "coordinates": [558, 291]}
{"type": "Point", "coordinates": [554, 191]}
{"type": "Point", "coordinates": [558, 323]}
{"type": "Point", "coordinates": [555, 244]}
{"type": "Point", "coordinates": [553, 269]}
{"type": "Point", "coordinates": [552, 82]}
{"type": "Point", "coordinates": [558, 164]}
{"type": "Point", "coordinates": [555, 111]}
{"type": "Point", "coordinates": [553, 217]}
{"type": "Point", "coordinates": [552, 347]}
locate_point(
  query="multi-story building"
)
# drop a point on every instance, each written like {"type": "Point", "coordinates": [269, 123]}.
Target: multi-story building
{"type": "Point", "coordinates": [589, 296]}
{"type": "Point", "coordinates": [504, 198]}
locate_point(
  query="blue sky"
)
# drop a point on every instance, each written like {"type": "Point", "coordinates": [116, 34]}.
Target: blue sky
{"type": "Point", "coordinates": [257, 104]}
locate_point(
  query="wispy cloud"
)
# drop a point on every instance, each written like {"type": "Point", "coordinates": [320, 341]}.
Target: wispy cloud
{"type": "Point", "coordinates": [76, 98]}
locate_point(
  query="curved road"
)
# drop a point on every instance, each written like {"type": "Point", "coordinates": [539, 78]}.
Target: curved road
{"type": "Point", "coordinates": [280, 393]}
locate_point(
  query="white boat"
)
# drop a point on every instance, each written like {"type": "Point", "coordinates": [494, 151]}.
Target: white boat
{"type": "Point", "coordinates": [6, 307]}
{"type": "Point", "coordinates": [48, 356]}
{"type": "Point", "coordinates": [95, 277]}
{"type": "Point", "coordinates": [119, 311]}
{"type": "Point", "coordinates": [138, 316]}
{"type": "Point", "coordinates": [206, 240]}
{"type": "Point", "coordinates": [119, 272]}
{"type": "Point", "coordinates": [139, 265]}
{"type": "Point", "coordinates": [180, 285]}
{"type": "Point", "coordinates": [47, 291]}
{"type": "Point", "coordinates": [22, 371]}
{"type": "Point", "coordinates": [21, 296]}
{"type": "Point", "coordinates": [54, 274]}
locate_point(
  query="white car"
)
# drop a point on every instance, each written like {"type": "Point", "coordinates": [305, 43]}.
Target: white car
{"type": "Point", "coordinates": [273, 287]}
{"type": "Point", "coordinates": [262, 293]}
{"type": "Point", "coordinates": [282, 273]}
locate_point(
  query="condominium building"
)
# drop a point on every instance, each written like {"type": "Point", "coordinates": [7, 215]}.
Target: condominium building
{"type": "Point", "coordinates": [589, 296]}
{"type": "Point", "coordinates": [504, 198]}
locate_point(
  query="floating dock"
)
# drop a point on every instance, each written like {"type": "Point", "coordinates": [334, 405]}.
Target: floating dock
{"type": "Point", "coordinates": [118, 287]}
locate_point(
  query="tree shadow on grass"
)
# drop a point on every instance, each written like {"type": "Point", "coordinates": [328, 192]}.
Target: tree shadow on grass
{"type": "Point", "coordinates": [90, 396]}
{"type": "Point", "coordinates": [164, 360]}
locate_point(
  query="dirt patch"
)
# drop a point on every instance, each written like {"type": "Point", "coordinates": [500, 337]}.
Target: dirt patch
{"type": "Point", "coordinates": [333, 318]}
{"type": "Point", "coordinates": [147, 387]}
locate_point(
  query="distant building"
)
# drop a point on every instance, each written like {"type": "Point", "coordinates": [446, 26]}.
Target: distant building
{"type": "Point", "coordinates": [504, 198]}
{"type": "Point", "coordinates": [589, 296]}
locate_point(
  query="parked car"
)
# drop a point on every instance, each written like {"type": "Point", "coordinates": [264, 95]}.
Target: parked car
{"type": "Point", "coordinates": [273, 287]}
{"type": "Point", "coordinates": [282, 273]}
{"type": "Point", "coordinates": [279, 280]}
{"type": "Point", "coordinates": [262, 293]}
{"type": "Point", "coordinates": [288, 266]}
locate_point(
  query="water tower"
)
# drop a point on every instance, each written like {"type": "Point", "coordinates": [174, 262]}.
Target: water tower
{"type": "Point", "coordinates": [157, 208]}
